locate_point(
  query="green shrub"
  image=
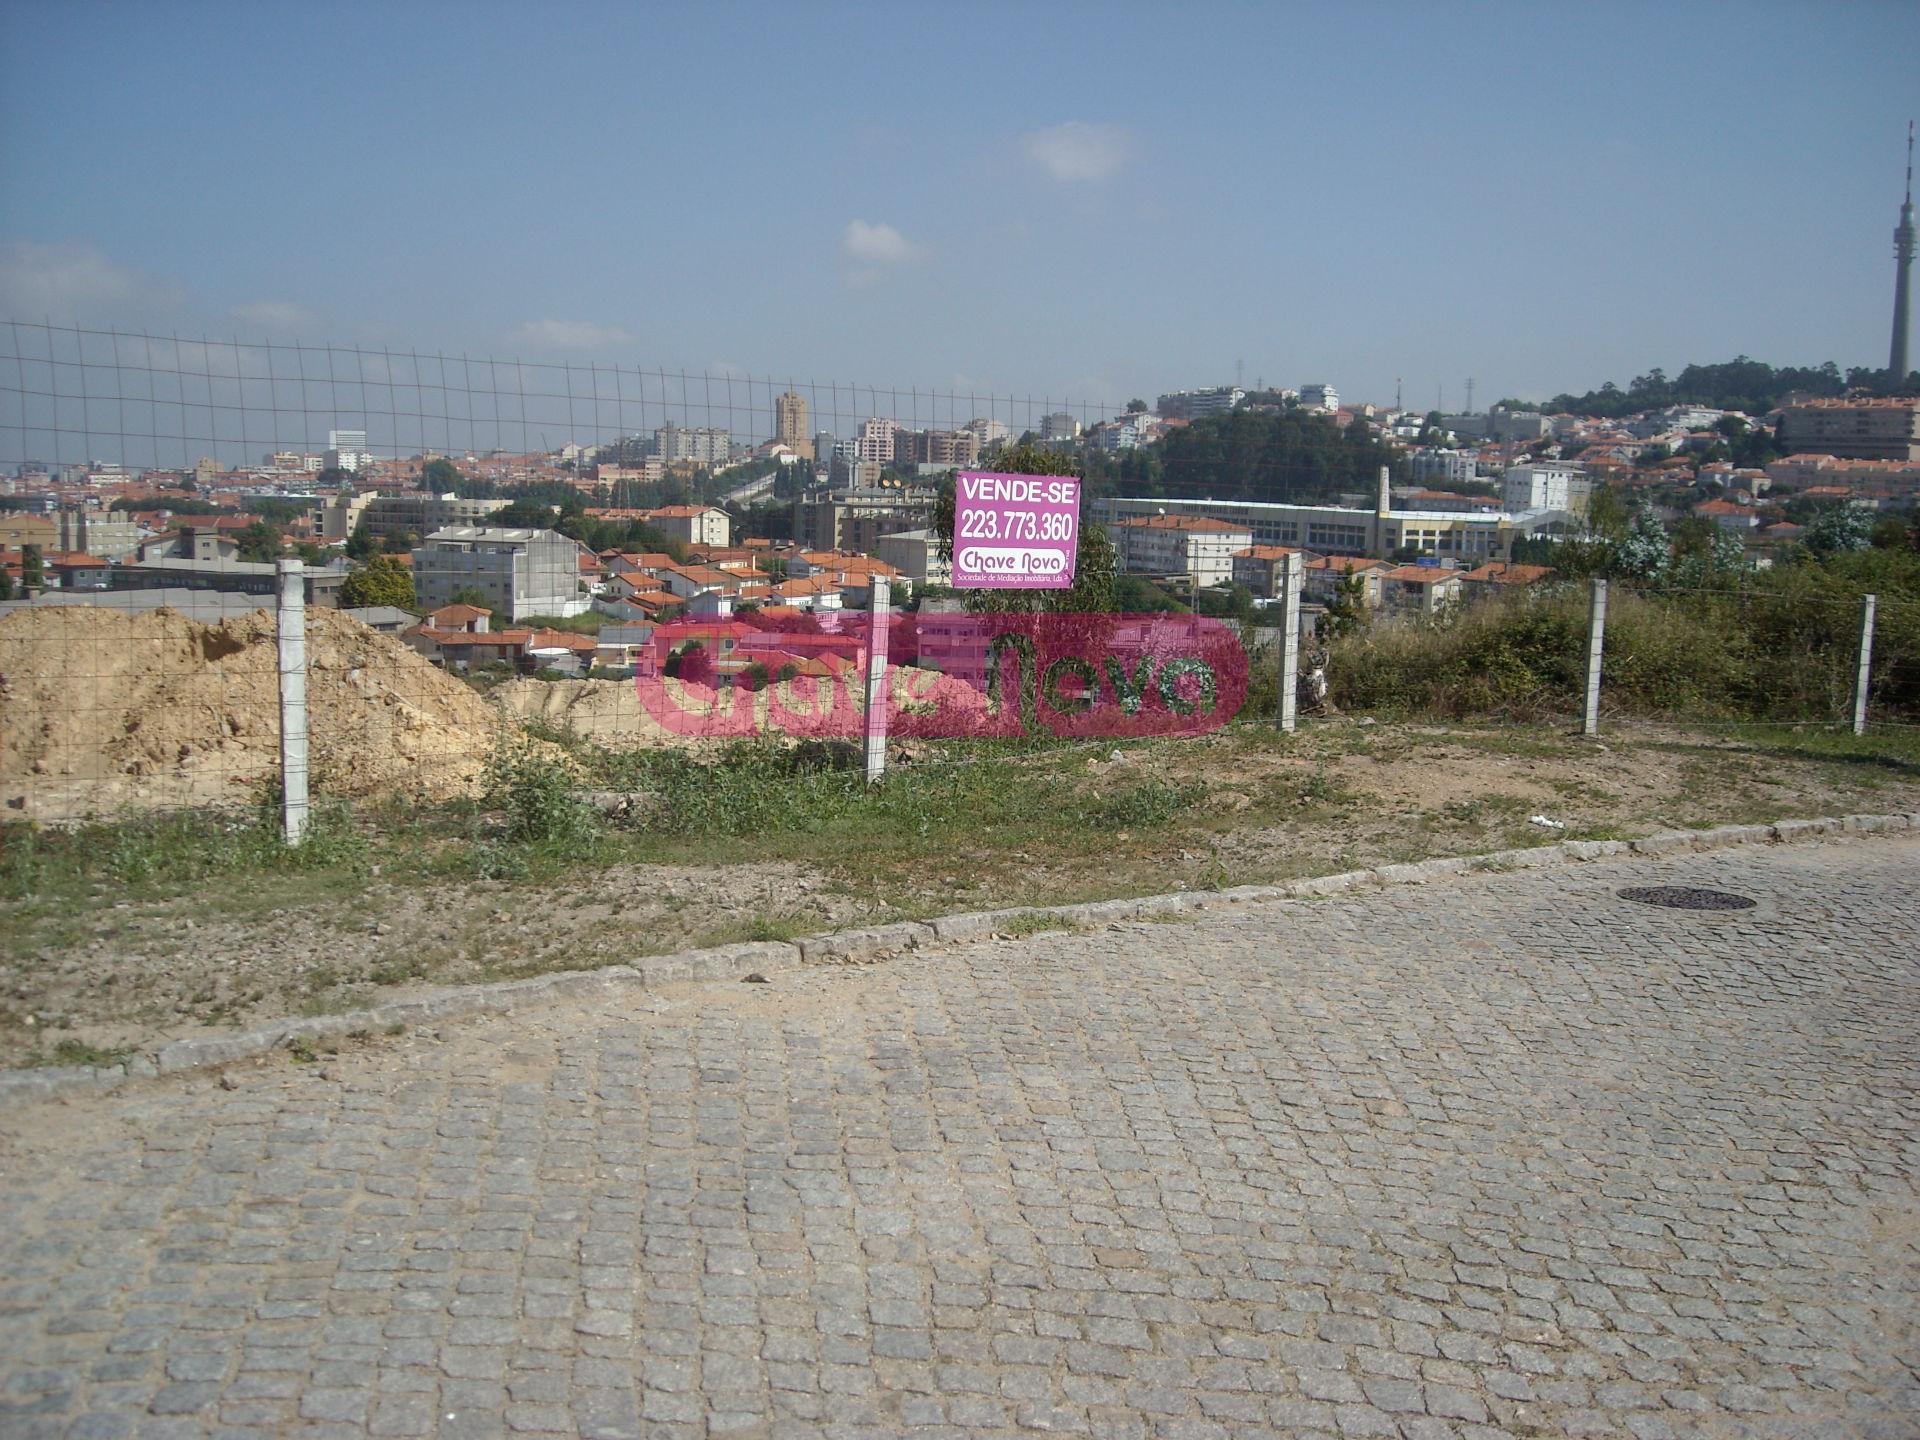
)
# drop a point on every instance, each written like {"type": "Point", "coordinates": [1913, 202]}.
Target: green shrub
{"type": "Point", "coordinates": [537, 790]}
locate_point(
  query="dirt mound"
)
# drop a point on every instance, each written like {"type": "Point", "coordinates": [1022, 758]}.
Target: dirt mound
{"type": "Point", "coordinates": [611, 714]}
{"type": "Point", "coordinates": [102, 711]}
{"type": "Point", "coordinates": [607, 712]}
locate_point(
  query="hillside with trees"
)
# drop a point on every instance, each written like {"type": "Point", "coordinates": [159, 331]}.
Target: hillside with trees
{"type": "Point", "coordinates": [1750, 386]}
{"type": "Point", "coordinates": [1283, 456]}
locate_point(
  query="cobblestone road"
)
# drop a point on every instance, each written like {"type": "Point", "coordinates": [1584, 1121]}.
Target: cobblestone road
{"type": "Point", "coordinates": [1496, 1156]}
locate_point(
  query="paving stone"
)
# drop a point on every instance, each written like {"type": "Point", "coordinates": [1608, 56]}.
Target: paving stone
{"type": "Point", "coordinates": [1491, 1153]}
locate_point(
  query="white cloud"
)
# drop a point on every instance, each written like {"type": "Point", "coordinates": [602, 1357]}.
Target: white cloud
{"type": "Point", "coordinates": [570, 335]}
{"type": "Point", "coordinates": [281, 315]}
{"type": "Point", "coordinates": [1077, 150]}
{"type": "Point", "coordinates": [62, 281]}
{"type": "Point", "coordinates": [876, 244]}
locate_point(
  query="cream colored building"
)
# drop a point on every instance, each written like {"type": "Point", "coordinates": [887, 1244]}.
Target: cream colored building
{"type": "Point", "coordinates": [790, 424]}
{"type": "Point", "coordinates": [1189, 545]}
{"type": "Point", "coordinates": [1876, 429]}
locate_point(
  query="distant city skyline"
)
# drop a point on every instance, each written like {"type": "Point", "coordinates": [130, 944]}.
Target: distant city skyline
{"type": "Point", "coordinates": [1110, 203]}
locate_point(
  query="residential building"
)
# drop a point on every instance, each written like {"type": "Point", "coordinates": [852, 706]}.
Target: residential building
{"type": "Point", "coordinates": [191, 542]}
{"type": "Point", "coordinates": [853, 518]}
{"type": "Point", "coordinates": [987, 433]}
{"type": "Point", "coordinates": [387, 619]}
{"type": "Point", "coordinates": [1886, 428]}
{"type": "Point", "coordinates": [1059, 426]}
{"type": "Point", "coordinates": [1441, 468]}
{"type": "Point", "coordinates": [1420, 589]}
{"type": "Point", "coordinates": [1318, 396]}
{"type": "Point", "coordinates": [1193, 546]}
{"type": "Point", "coordinates": [1262, 568]}
{"type": "Point", "coordinates": [691, 524]}
{"type": "Point", "coordinates": [699, 445]}
{"type": "Point", "coordinates": [108, 534]}
{"type": "Point", "coordinates": [1195, 404]}
{"type": "Point", "coordinates": [1892, 478]}
{"type": "Point", "coordinates": [1325, 574]}
{"type": "Point", "coordinates": [944, 449]}
{"type": "Point", "coordinates": [627, 648]}
{"type": "Point", "coordinates": [76, 570]}
{"type": "Point", "coordinates": [19, 530]}
{"type": "Point", "coordinates": [790, 423]}
{"type": "Point", "coordinates": [521, 572]}
{"type": "Point", "coordinates": [1499, 423]}
{"type": "Point", "coordinates": [916, 555]}
{"type": "Point", "coordinates": [336, 516]}
{"type": "Point", "coordinates": [1738, 519]}
{"type": "Point", "coordinates": [1126, 432]}
{"type": "Point", "coordinates": [347, 450]}
{"type": "Point", "coordinates": [875, 441]}
{"type": "Point", "coordinates": [1500, 577]}
{"type": "Point", "coordinates": [1545, 485]}
{"type": "Point", "coordinates": [390, 516]}
{"type": "Point", "coordinates": [242, 577]}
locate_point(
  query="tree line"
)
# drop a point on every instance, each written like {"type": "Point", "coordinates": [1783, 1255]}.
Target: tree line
{"type": "Point", "coordinates": [1742, 383]}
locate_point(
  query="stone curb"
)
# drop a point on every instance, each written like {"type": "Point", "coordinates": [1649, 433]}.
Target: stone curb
{"type": "Point", "coordinates": [736, 962]}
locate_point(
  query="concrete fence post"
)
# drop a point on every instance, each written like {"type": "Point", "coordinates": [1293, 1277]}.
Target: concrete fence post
{"type": "Point", "coordinates": [1862, 681]}
{"type": "Point", "coordinates": [293, 700]}
{"type": "Point", "coordinates": [1596, 648]}
{"type": "Point", "coordinates": [879, 624]}
{"type": "Point", "coordinates": [1290, 642]}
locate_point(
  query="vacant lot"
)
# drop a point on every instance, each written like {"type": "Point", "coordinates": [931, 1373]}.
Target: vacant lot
{"type": "Point", "coordinates": [123, 935]}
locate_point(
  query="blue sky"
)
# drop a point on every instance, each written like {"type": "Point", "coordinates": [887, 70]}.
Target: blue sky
{"type": "Point", "coordinates": [1087, 201]}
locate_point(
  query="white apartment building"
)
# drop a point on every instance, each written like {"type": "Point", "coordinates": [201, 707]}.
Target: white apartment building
{"type": "Point", "coordinates": [692, 524]}
{"type": "Point", "coordinates": [1540, 485]}
{"type": "Point", "coordinates": [521, 572]}
{"type": "Point", "coordinates": [1193, 404]}
{"type": "Point", "coordinates": [700, 445]}
{"type": "Point", "coordinates": [347, 450]}
{"type": "Point", "coordinates": [1059, 426]}
{"type": "Point", "coordinates": [1320, 397]}
{"type": "Point", "coordinates": [1128, 432]}
{"type": "Point", "coordinates": [987, 432]}
{"type": "Point", "coordinates": [1190, 545]}
{"type": "Point", "coordinates": [1439, 468]}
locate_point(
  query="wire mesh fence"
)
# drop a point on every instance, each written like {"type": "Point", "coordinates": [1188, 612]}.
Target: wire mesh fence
{"type": "Point", "coordinates": [111, 711]}
{"type": "Point", "coordinates": [71, 395]}
{"type": "Point", "coordinates": [1733, 655]}
{"type": "Point", "coordinates": [155, 701]}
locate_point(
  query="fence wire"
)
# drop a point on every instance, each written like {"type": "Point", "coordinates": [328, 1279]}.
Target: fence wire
{"type": "Point", "coordinates": [71, 395]}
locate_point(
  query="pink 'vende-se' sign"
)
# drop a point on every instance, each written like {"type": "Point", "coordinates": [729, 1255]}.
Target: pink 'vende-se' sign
{"type": "Point", "coordinates": [1015, 532]}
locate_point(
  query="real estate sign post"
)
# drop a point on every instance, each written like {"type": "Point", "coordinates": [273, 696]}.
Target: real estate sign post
{"type": "Point", "coordinates": [1015, 532]}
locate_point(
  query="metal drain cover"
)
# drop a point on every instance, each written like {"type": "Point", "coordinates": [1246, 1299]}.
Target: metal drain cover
{"type": "Point", "coordinates": [1686, 897]}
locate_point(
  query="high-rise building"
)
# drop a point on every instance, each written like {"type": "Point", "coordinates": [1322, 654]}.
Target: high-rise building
{"type": "Point", "coordinates": [790, 424]}
{"type": "Point", "coordinates": [703, 445]}
{"type": "Point", "coordinates": [1059, 426]}
{"type": "Point", "coordinates": [1903, 264]}
{"type": "Point", "coordinates": [936, 447]}
{"type": "Point", "coordinates": [988, 432]}
{"type": "Point", "coordinates": [876, 440]}
{"type": "Point", "coordinates": [347, 450]}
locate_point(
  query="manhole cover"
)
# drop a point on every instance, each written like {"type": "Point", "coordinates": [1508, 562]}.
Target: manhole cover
{"type": "Point", "coordinates": [1686, 897]}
